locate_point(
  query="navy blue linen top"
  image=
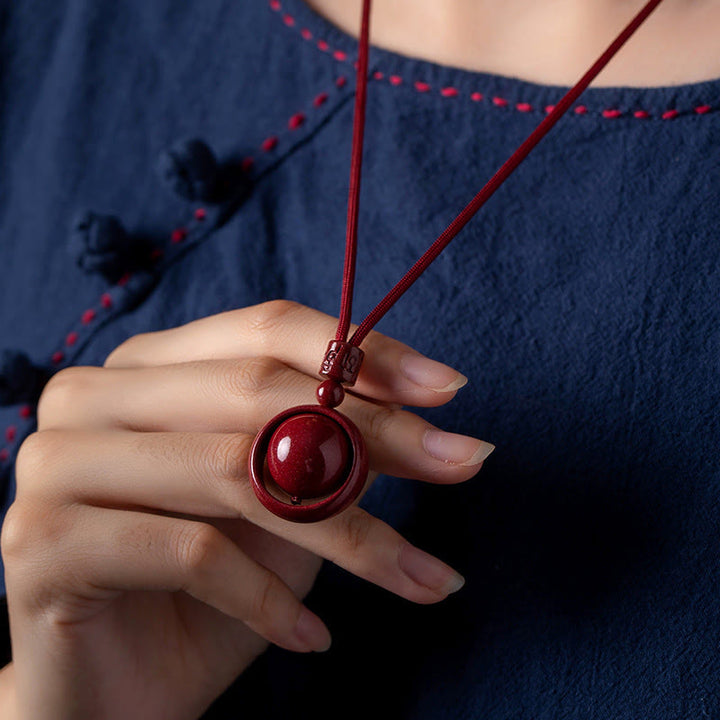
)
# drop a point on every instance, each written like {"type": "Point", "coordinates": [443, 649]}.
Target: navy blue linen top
{"type": "Point", "coordinates": [582, 303]}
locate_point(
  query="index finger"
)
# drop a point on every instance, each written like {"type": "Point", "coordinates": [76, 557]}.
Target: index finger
{"type": "Point", "coordinates": [297, 336]}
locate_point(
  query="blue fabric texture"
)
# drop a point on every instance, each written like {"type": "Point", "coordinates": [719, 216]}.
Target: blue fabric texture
{"type": "Point", "coordinates": [582, 303]}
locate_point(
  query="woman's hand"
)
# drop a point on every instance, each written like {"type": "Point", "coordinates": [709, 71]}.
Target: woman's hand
{"type": "Point", "coordinates": [143, 574]}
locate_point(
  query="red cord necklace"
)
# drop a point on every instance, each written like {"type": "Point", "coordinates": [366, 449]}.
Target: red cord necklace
{"type": "Point", "coordinates": [312, 455]}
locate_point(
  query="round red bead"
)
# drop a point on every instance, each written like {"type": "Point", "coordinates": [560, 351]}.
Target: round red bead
{"type": "Point", "coordinates": [330, 393]}
{"type": "Point", "coordinates": [308, 456]}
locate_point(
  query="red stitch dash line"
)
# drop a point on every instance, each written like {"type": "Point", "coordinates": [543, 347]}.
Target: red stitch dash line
{"type": "Point", "coordinates": [57, 357]}
{"type": "Point", "coordinates": [10, 433]}
{"type": "Point", "coordinates": [500, 102]}
{"type": "Point", "coordinates": [421, 86]}
{"type": "Point", "coordinates": [87, 317]}
{"type": "Point", "coordinates": [377, 75]}
{"type": "Point", "coordinates": [611, 113]}
{"type": "Point", "coordinates": [321, 99]}
{"type": "Point", "coordinates": [25, 411]}
{"type": "Point", "coordinates": [341, 81]}
{"type": "Point", "coordinates": [306, 34]}
{"type": "Point", "coordinates": [275, 5]}
{"type": "Point", "coordinates": [269, 144]}
{"type": "Point", "coordinates": [524, 107]}
{"type": "Point", "coordinates": [449, 92]}
{"type": "Point", "coordinates": [476, 97]}
{"type": "Point", "coordinates": [296, 121]}
{"type": "Point", "coordinates": [395, 80]}
{"type": "Point", "coordinates": [289, 20]}
{"type": "Point", "coordinates": [71, 338]}
{"type": "Point", "coordinates": [703, 109]}
{"type": "Point", "coordinates": [641, 114]}
{"type": "Point", "coordinates": [247, 164]}
{"type": "Point", "coordinates": [670, 114]}
{"type": "Point", "coordinates": [178, 235]}
{"type": "Point", "coordinates": [322, 45]}
{"type": "Point", "coordinates": [200, 214]}
{"type": "Point", "coordinates": [581, 110]}
{"type": "Point", "coordinates": [4, 455]}
{"type": "Point", "coordinates": [106, 301]}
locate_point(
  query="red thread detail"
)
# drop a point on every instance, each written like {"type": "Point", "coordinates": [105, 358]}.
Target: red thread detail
{"type": "Point", "coordinates": [702, 109]}
{"type": "Point", "coordinates": [25, 411]}
{"type": "Point", "coordinates": [71, 338]}
{"type": "Point", "coordinates": [395, 80]}
{"type": "Point", "coordinates": [611, 113]}
{"type": "Point", "coordinates": [306, 34]}
{"type": "Point", "coordinates": [156, 254]}
{"type": "Point", "coordinates": [10, 433]}
{"type": "Point", "coordinates": [178, 235]}
{"type": "Point", "coordinates": [321, 99]}
{"type": "Point", "coordinates": [500, 102]}
{"type": "Point", "coordinates": [200, 214]}
{"type": "Point", "coordinates": [124, 279]}
{"type": "Point", "coordinates": [269, 144]}
{"type": "Point", "coordinates": [289, 20]}
{"type": "Point", "coordinates": [3, 455]}
{"type": "Point", "coordinates": [341, 81]}
{"type": "Point", "coordinates": [340, 55]}
{"type": "Point", "coordinates": [421, 86]}
{"type": "Point", "coordinates": [449, 92]}
{"type": "Point", "coordinates": [476, 97]}
{"type": "Point", "coordinates": [88, 316]}
{"type": "Point", "coordinates": [670, 114]}
{"type": "Point", "coordinates": [322, 45]}
{"type": "Point", "coordinates": [524, 107]}
{"type": "Point", "coordinates": [296, 121]}
{"type": "Point", "coordinates": [247, 164]}
{"type": "Point", "coordinates": [378, 75]}
{"type": "Point", "coordinates": [275, 5]}
{"type": "Point", "coordinates": [57, 357]}
{"type": "Point", "coordinates": [641, 114]}
{"type": "Point", "coordinates": [581, 110]}
{"type": "Point", "coordinates": [106, 301]}
{"type": "Point", "coordinates": [549, 108]}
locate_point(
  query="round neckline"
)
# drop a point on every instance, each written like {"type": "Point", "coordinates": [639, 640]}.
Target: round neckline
{"type": "Point", "coordinates": [445, 82]}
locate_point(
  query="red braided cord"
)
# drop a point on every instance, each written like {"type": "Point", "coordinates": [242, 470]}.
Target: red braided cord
{"type": "Point", "coordinates": [475, 204]}
{"type": "Point", "coordinates": [355, 172]}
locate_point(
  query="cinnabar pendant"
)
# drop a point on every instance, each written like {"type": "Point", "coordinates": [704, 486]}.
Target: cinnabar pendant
{"type": "Point", "coordinates": [310, 462]}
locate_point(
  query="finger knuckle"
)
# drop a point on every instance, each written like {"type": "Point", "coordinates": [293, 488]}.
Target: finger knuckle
{"type": "Point", "coordinates": [28, 530]}
{"type": "Point", "coordinates": [198, 549]}
{"type": "Point", "coordinates": [255, 376]}
{"type": "Point", "coordinates": [268, 317]}
{"type": "Point", "coordinates": [358, 526]}
{"type": "Point", "coordinates": [36, 458]}
{"type": "Point", "coordinates": [266, 599]}
{"type": "Point", "coordinates": [380, 422]}
{"type": "Point", "coordinates": [226, 457]}
{"type": "Point", "coordinates": [61, 392]}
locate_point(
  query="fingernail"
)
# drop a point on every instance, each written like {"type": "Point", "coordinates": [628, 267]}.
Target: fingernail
{"type": "Point", "coordinates": [428, 571]}
{"type": "Point", "coordinates": [311, 631]}
{"type": "Point", "coordinates": [430, 374]}
{"type": "Point", "coordinates": [456, 449]}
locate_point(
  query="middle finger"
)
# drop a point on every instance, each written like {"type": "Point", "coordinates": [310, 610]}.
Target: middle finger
{"type": "Point", "coordinates": [240, 396]}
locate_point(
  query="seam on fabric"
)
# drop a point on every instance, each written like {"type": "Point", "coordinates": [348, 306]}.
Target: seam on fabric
{"type": "Point", "coordinates": [449, 92]}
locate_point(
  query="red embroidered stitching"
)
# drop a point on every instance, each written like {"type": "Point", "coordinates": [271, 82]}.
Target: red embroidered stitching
{"type": "Point", "coordinates": [450, 92]}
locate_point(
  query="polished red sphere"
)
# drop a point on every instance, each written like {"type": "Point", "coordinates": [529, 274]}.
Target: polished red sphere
{"type": "Point", "coordinates": [308, 456]}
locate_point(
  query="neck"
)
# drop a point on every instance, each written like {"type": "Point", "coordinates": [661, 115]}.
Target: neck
{"type": "Point", "coordinates": [545, 41]}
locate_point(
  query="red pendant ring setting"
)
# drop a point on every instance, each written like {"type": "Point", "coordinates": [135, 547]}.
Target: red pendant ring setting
{"type": "Point", "coordinates": [310, 462]}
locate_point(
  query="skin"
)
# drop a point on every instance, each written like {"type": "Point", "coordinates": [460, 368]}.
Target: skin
{"type": "Point", "coordinates": [143, 575]}
{"type": "Point", "coordinates": [550, 42]}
